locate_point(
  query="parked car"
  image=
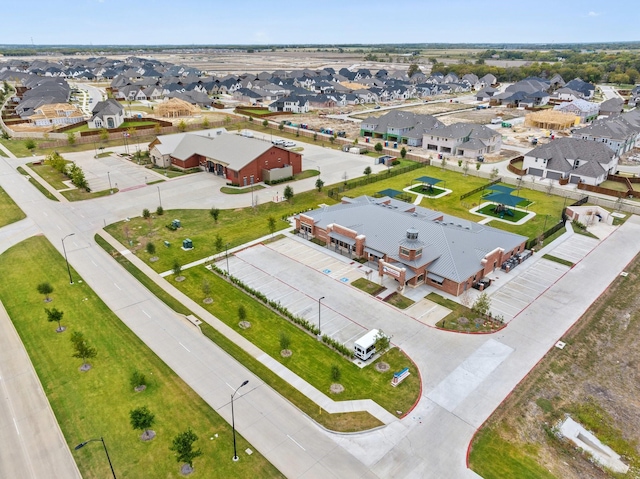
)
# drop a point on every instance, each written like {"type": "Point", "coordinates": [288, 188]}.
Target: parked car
{"type": "Point", "coordinates": [480, 158]}
{"type": "Point", "coordinates": [278, 142]}
{"type": "Point", "coordinates": [496, 121]}
{"type": "Point", "coordinates": [289, 144]}
{"type": "Point", "coordinates": [377, 107]}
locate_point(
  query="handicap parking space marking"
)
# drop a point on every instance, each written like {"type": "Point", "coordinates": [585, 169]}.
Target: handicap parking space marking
{"type": "Point", "coordinates": [344, 280]}
{"type": "Point", "coordinates": [326, 271]}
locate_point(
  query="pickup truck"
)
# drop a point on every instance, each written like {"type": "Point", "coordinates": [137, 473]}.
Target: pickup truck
{"type": "Point", "coordinates": [496, 121]}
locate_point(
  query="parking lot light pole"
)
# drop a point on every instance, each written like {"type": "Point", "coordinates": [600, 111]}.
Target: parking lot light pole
{"type": "Point", "coordinates": [82, 444]}
{"type": "Point", "coordinates": [110, 189]}
{"type": "Point", "coordinates": [227, 254]}
{"type": "Point", "coordinates": [65, 257]}
{"type": "Point", "coordinates": [159, 197]}
{"type": "Point", "coordinates": [233, 420]}
{"type": "Point", "coordinates": [319, 323]}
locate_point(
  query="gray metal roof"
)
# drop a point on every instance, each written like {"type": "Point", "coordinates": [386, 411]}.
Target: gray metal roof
{"type": "Point", "coordinates": [453, 246]}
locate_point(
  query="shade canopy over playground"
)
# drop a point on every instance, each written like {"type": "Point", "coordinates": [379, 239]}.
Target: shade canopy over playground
{"type": "Point", "coordinates": [429, 180]}
{"type": "Point", "coordinates": [501, 189]}
{"type": "Point", "coordinates": [505, 199]}
{"type": "Point", "coordinates": [391, 193]}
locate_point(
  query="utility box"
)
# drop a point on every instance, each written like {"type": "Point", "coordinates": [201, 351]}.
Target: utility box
{"type": "Point", "coordinates": [187, 244]}
{"type": "Point", "coordinates": [175, 223]}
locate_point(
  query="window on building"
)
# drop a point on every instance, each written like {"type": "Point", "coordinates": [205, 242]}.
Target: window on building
{"type": "Point", "coordinates": [404, 251]}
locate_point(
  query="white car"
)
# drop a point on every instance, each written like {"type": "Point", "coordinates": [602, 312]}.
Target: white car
{"type": "Point", "coordinates": [278, 142]}
{"type": "Point", "coordinates": [289, 144]}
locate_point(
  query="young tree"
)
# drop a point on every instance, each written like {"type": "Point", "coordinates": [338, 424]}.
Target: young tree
{"type": "Point", "coordinates": [146, 214]}
{"type": "Point", "coordinates": [319, 184]}
{"type": "Point", "coordinates": [403, 153]}
{"type": "Point", "coordinates": [205, 122]}
{"type": "Point", "coordinates": [55, 315]}
{"type": "Point", "coordinates": [206, 288]}
{"type": "Point", "coordinates": [137, 380]}
{"type": "Point", "coordinates": [265, 123]}
{"type": "Point", "coordinates": [214, 212]}
{"type": "Point", "coordinates": [477, 166]}
{"type": "Point", "coordinates": [183, 447]}
{"type": "Point", "coordinates": [157, 128]}
{"type": "Point", "coordinates": [271, 221]}
{"type": "Point", "coordinates": [281, 126]}
{"type": "Point", "coordinates": [285, 341]}
{"type": "Point", "coordinates": [288, 193]}
{"type": "Point", "coordinates": [82, 349]}
{"type": "Point", "coordinates": [142, 419]}
{"type": "Point", "coordinates": [378, 147]}
{"type": "Point", "coordinates": [242, 313]}
{"type": "Point", "coordinates": [46, 289]}
{"type": "Point", "coordinates": [367, 172]}
{"type": "Point", "coordinates": [494, 173]}
{"type": "Point", "coordinates": [30, 144]}
{"type": "Point", "coordinates": [177, 268]}
{"type": "Point", "coordinates": [413, 69]}
{"type": "Point", "coordinates": [336, 374]}
{"type": "Point", "coordinates": [382, 342]}
{"type": "Point", "coordinates": [465, 168]}
{"type": "Point", "coordinates": [104, 134]}
{"type": "Point", "coordinates": [315, 136]}
{"type": "Point", "coordinates": [482, 304]}
{"type": "Point", "coordinates": [151, 248]}
{"type": "Point", "coordinates": [219, 243]}
{"type": "Point", "coordinates": [443, 163]}
{"type": "Point", "coordinates": [71, 138]}
{"type": "Point", "coordinates": [182, 126]}
{"type": "Point", "coordinates": [159, 210]}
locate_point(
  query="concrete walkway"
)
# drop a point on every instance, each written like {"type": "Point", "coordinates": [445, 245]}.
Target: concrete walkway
{"type": "Point", "coordinates": [293, 379]}
{"type": "Point", "coordinates": [45, 185]}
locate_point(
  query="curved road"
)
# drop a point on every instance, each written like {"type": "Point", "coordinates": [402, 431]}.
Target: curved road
{"type": "Point", "coordinates": [464, 377]}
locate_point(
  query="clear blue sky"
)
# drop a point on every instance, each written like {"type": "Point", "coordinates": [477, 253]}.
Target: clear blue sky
{"type": "Point", "coordinates": [184, 22]}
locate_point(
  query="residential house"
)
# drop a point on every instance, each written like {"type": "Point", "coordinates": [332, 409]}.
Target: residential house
{"type": "Point", "coordinates": [585, 89]}
{"type": "Point", "coordinates": [107, 114]}
{"type": "Point", "coordinates": [56, 114]}
{"type": "Point", "coordinates": [587, 111]}
{"type": "Point", "coordinates": [468, 140]}
{"type": "Point", "coordinates": [611, 107]}
{"type": "Point", "coordinates": [399, 126]}
{"type": "Point", "coordinates": [634, 98]}
{"type": "Point", "coordinates": [620, 133]}
{"type": "Point", "coordinates": [572, 159]}
{"type": "Point", "coordinates": [292, 103]}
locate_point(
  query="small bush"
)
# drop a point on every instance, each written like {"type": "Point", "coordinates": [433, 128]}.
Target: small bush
{"type": "Point", "coordinates": [137, 379]}
{"type": "Point", "coordinates": [335, 373]}
{"type": "Point", "coordinates": [146, 214]}
{"type": "Point", "coordinates": [285, 340]}
{"type": "Point", "coordinates": [151, 248]}
{"type": "Point", "coordinates": [159, 210]}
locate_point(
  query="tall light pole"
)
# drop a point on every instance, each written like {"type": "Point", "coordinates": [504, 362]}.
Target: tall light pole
{"type": "Point", "coordinates": [319, 323]}
{"type": "Point", "coordinates": [110, 189]}
{"type": "Point", "coordinates": [159, 197]}
{"type": "Point", "coordinates": [65, 257]}
{"type": "Point", "coordinates": [82, 444]}
{"type": "Point", "coordinates": [233, 420]}
{"type": "Point", "coordinates": [227, 254]}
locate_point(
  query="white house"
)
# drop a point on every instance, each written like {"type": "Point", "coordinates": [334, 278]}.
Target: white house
{"type": "Point", "coordinates": [107, 114]}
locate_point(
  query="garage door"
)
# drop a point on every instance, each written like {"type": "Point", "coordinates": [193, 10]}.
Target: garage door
{"type": "Point", "coordinates": [554, 175]}
{"type": "Point", "coordinates": [574, 179]}
{"type": "Point", "coordinates": [535, 171]}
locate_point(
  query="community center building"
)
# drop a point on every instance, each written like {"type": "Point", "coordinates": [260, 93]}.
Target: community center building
{"type": "Point", "coordinates": [242, 160]}
{"type": "Point", "coordinates": [414, 245]}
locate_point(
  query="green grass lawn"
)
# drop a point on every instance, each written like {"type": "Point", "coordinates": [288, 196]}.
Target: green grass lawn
{"type": "Point", "coordinates": [452, 320]}
{"type": "Point", "coordinates": [229, 190]}
{"type": "Point", "coordinates": [367, 286]}
{"type": "Point", "coordinates": [311, 359]}
{"type": "Point", "coordinates": [514, 217]}
{"type": "Point", "coordinates": [399, 301]}
{"type": "Point", "coordinates": [234, 226]}
{"type": "Point", "coordinates": [613, 185]}
{"type": "Point", "coordinates": [494, 458]}
{"type": "Point", "coordinates": [50, 175]}
{"type": "Point", "coordinates": [343, 422]}
{"type": "Point", "coordinates": [9, 211]}
{"type": "Point", "coordinates": [37, 184]}
{"type": "Point", "coordinates": [79, 194]}
{"type": "Point", "coordinates": [126, 124]}
{"type": "Point", "coordinates": [558, 260]}
{"type": "Point", "coordinates": [97, 403]}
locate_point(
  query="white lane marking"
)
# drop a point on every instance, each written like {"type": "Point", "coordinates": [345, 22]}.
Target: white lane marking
{"type": "Point", "coordinates": [146, 314]}
{"type": "Point", "coordinates": [94, 263]}
{"type": "Point", "coordinates": [183, 346]}
{"type": "Point", "coordinates": [117, 286]}
{"type": "Point", "coordinates": [45, 213]}
{"type": "Point", "coordinates": [296, 442]}
{"type": "Point", "coordinates": [59, 227]}
{"type": "Point", "coordinates": [15, 423]}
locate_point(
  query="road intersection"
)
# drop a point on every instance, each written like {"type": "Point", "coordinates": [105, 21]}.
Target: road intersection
{"type": "Point", "coordinates": [464, 377]}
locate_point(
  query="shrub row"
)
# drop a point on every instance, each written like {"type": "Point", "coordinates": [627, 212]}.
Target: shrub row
{"type": "Point", "coordinates": [284, 312]}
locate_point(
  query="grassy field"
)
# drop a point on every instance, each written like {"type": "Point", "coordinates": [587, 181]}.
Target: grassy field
{"type": "Point", "coordinates": [37, 184]}
{"type": "Point", "coordinates": [343, 422]}
{"type": "Point", "coordinates": [97, 403]}
{"type": "Point", "coordinates": [126, 124]}
{"type": "Point", "coordinates": [587, 380]}
{"type": "Point", "coordinates": [311, 359]}
{"type": "Point", "coordinates": [235, 227]}
{"type": "Point", "coordinates": [455, 320]}
{"type": "Point", "coordinates": [9, 211]}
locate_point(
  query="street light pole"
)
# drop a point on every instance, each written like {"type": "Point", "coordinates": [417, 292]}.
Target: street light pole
{"type": "Point", "coordinates": [233, 420]}
{"type": "Point", "coordinates": [159, 197]}
{"type": "Point", "coordinates": [65, 257]}
{"type": "Point", "coordinates": [110, 189]}
{"type": "Point", "coordinates": [227, 254]}
{"type": "Point", "coordinates": [319, 323]}
{"type": "Point", "coordinates": [82, 444]}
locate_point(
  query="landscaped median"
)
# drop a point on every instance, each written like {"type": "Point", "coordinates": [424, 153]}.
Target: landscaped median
{"type": "Point", "coordinates": [97, 402]}
{"type": "Point", "coordinates": [311, 360]}
{"type": "Point", "coordinates": [9, 211]}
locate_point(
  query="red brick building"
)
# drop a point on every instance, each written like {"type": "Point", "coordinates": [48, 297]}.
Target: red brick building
{"type": "Point", "coordinates": [412, 244]}
{"type": "Point", "coordinates": [240, 159]}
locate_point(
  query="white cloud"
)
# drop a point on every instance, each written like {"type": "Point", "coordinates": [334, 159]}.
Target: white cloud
{"type": "Point", "coordinates": [593, 14]}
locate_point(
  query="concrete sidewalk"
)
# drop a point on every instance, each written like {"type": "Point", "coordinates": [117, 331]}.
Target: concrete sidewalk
{"type": "Point", "coordinates": [321, 399]}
